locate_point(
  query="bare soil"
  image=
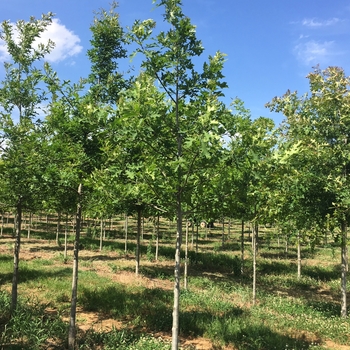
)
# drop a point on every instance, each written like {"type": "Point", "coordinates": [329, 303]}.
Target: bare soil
{"type": "Point", "coordinates": [98, 262]}
{"type": "Point", "coordinates": [38, 249]}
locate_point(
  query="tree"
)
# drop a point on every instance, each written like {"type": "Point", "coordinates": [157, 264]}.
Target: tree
{"type": "Point", "coordinates": [21, 94]}
{"type": "Point", "coordinates": [251, 144]}
{"type": "Point", "coordinates": [108, 47]}
{"type": "Point", "coordinates": [189, 131]}
{"type": "Point", "coordinates": [321, 122]}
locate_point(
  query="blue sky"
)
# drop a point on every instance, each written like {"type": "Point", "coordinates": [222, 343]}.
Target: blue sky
{"type": "Point", "coordinates": [271, 45]}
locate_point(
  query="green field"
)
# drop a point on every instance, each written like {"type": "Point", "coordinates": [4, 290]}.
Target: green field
{"type": "Point", "coordinates": [118, 310]}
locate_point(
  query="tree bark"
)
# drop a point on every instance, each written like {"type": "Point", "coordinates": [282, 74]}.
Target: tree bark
{"type": "Point", "coordinates": [72, 326]}
{"type": "Point", "coordinates": [101, 234]}
{"type": "Point", "coordinates": [223, 232]}
{"type": "Point", "coordinates": [242, 248]}
{"type": "Point", "coordinates": [65, 238]}
{"type": "Point", "coordinates": [2, 224]}
{"type": "Point", "coordinates": [29, 224]}
{"type": "Point", "coordinates": [197, 238]}
{"type": "Point", "coordinates": [58, 229]}
{"type": "Point", "coordinates": [157, 238]}
{"type": "Point", "coordinates": [254, 245]}
{"type": "Point", "coordinates": [299, 255]}
{"type": "Point", "coordinates": [18, 221]}
{"type": "Point", "coordinates": [126, 232]}
{"type": "Point", "coordinates": [186, 258]}
{"type": "Point", "coordinates": [192, 234]}
{"type": "Point", "coordinates": [138, 235]}
{"type": "Point", "coordinates": [229, 229]}
{"type": "Point", "coordinates": [177, 275]}
{"type": "Point", "coordinates": [344, 261]}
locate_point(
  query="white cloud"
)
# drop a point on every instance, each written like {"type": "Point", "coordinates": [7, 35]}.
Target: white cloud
{"type": "Point", "coordinates": [3, 51]}
{"type": "Point", "coordinates": [314, 52]}
{"type": "Point", "coordinates": [314, 23]}
{"type": "Point", "coordinates": [66, 43]}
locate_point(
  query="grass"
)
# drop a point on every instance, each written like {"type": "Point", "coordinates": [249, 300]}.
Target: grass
{"type": "Point", "coordinates": [290, 313]}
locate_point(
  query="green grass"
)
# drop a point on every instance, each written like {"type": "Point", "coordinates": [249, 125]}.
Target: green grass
{"type": "Point", "coordinates": [290, 313]}
{"type": "Point", "coordinates": [30, 327]}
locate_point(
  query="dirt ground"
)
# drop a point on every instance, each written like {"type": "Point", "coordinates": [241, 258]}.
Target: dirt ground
{"type": "Point", "coordinates": [37, 249]}
{"type": "Point", "coordinates": [32, 249]}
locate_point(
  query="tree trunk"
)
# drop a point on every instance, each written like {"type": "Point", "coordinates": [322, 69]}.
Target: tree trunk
{"type": "Point", "coordinates": [223, 232]}
{"type": "Point", "coordinates": [72, 330]}
{"type": "Point", "coordinates": [104, 228]}
{"type": "Point", "coordinates": [157, 238]}
{"type": "Point", "coordinates": [30, 224]}
{"type": "Point", "coordinates": [142, 227]}
{"type": "Point", "coordinates": [177, 275]}
{"type": "Point", "coordinates": [229, 229]}
{"type": "Point", "coordinates": [254, 245]}
{"type": "Point", "coordinates": [186, 258]}
{"type": "Point", "coordinates": [126, 232]}
{"type": "Point", "coordinates": [344, 261]}
{"type": "Point", "coordinates": [58, 229]}
{"type": "Point", "coordinates": [197, 237]}
{"type": "Point", "coordinates": [192, 234]}
{"type": "Point", "coordinates": [138, 235]}
{"type": "Point", "coordinates": [18, 221]}
{"type": "Point", "coordinates": [65, 238]}
{"type": "Point", "coordinates": [2, 224]}
{"type": "Point", "coordinates": [242, 248]}
{"type": "Point", "coordinates": [101, 235]}
{"type": "Point", "coordinates": [47, 223]}
{"type": "Point", "coordinates": [299, 255]}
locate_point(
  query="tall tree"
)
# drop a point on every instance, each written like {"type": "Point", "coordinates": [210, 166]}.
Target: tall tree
{"type": "Point", "coordinates": [21, 95]}
{"type": "Point", "coordinates": [321, 120]}
{"type": "Point", "coordinates": [189, 130]}
{"type": "Point", "coordinates": [107, 49]}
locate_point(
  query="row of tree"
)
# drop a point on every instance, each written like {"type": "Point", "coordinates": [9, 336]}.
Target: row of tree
{"type": "Point", "coordinates": [163, 142]}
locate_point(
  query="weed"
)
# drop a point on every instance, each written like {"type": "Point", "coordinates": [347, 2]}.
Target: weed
{"type": "Point", "coordinates": [30, 325]}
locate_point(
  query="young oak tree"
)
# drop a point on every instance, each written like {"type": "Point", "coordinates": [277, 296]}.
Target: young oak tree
{"type": "Point", "coordinates": [191, 127]}
{"type": "Point", "coordinates": [21, 95]}
{"type": "Point", "coordinates": [322, 121]}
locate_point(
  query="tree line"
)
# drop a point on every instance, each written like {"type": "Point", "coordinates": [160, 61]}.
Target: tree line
{"type": "Point", "coordinates": [163, 142]}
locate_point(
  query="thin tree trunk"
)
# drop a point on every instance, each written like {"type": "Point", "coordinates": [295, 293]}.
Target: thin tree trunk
{"type": "Point", "coordinates": [186, 258]}
{"type": "Point", "coordinates": [299, 255]}
{"type": "Point", "coordinates": [142, 227]}
{"type": "Point", "coordinates": [138, 235]}
{"type": "Point", "coordinates": [58, 229]}
{"type": "Point", "coordinates": [18, 221]}
{"type": "Point", "coordinates": [223, 232]}
{"type": "Point", "coordinates": [177, 275]}
{"type": "Point", "coordinates": [192, 234]}
{"type": "Point", "coordinates": [2, 224]}
{"type": "Point", "coordinates": [344, 263]}
{"type": "Point", "coordinates": [72, 326]}
{"type": "Point", "coordinates": [197, 237]}
{"type": "Point", "coordinates": [65, 237]}
{"type": "Point", "coordinates": [126, 232]}
{"type": "Point", "coordinates": [101, 235]}
{"type": "Point", "coordinates": [29, 224]}
{"type": "Point", "coordinates": [229, 229]}
{"type": "Point", "coordinates": [254, 245]}
{"type": "Point", "coordinates": [104, 228]}
{"type": "Point", "coordinates": [242, 248]}
{"type": "Point", "coordinates": [47, 223]}
{"type": "Point", "coordinates": [157, 238]}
